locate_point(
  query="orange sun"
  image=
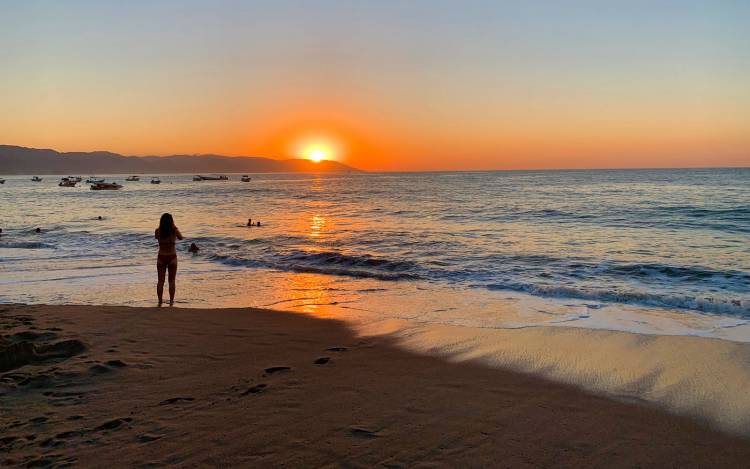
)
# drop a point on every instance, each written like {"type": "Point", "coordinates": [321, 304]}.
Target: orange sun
{"type": "Point", "coordinates": [317, 148]}
{"type": "Point", "coordinates": [317, 154]}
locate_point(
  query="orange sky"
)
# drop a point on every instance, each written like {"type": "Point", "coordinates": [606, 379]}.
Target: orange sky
{"type": "Point", "coordinates": [419, 86]}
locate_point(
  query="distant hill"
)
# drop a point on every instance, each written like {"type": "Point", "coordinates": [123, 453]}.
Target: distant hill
{"type": "Point", "coordinates": [22, 160]}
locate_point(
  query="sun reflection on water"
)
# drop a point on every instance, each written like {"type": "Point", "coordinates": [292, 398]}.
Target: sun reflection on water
{"type": "Point", "coordinates": [317, 223]}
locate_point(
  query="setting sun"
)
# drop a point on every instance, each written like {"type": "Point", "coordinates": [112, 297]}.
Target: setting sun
{"type": "Point", "coordinates": [316, 154]}
{"type": "Point", "coordinates": [316, 148]}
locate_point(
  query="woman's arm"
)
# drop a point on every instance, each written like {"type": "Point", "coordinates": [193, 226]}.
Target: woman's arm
{"type": "Point", "coordinates": [177, 233]}
{"type": "Point", "coordinates": [156, 233]}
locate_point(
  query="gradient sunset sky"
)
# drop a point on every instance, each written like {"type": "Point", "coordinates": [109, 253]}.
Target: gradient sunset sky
{"type": "Point", "coordinates": [387, 85]}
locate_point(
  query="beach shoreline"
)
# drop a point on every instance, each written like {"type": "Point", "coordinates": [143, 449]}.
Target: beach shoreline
{"type": "Point", "coordinates": [123, 386]}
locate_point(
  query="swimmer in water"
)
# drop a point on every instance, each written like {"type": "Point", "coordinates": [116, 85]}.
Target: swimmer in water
{"type": "Point", "coordinates": [193, 248]}
{"type": "Point", "coordinates": [249, 222]}
{"type": "Point", "coordinates": [38, 230]}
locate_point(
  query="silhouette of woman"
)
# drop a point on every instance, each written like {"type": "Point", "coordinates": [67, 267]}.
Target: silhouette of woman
{"type": "Point", "coordinates": [167, 234]}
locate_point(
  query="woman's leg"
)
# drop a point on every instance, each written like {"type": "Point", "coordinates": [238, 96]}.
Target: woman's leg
{"type": "Point", "coordinates": [161, 270]}
{"type": "Point", "coordinates": [172, 280]}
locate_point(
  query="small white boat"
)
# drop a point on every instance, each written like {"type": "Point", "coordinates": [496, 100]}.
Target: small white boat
{"type": "Point", "coordinates": [197, 178]}
{"type": "Point", "coordinates": [66, 182]}
{"type": "Point", "coordinates": [245, 178]}
{"type": "Point", "coordinates": [94, 180]}
{"type": "Point", "coordinates": [220, 177]}
{"type": "Point", "coordinates": [133, 178]}
{"type": "Point", "coordinates": [36, 179]}
{"type": "Point", "coordinates": [155, 180]}
{"type": "Point", "coordinates": [74, 178]}
{"type": "Point", "coordinates": [105, 186]}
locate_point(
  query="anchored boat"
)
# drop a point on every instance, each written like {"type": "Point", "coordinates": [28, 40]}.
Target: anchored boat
{"type": "Point", "coordinates": [105, 186]}
{"type": "Point", "coordinates": [94, 180]}
{"type": "Point", "coordinates": [133, 178]}
{"type": "Point", "coordinates": [36, 179]}
{"type": "Point", "coordinates": [155, 180]}
{"type": "Point", "coordinates": [67, 182]}
{"type": "Point", "coordinates": [245, 178]}
{"type": "Point", "coordinates": [220, 177]}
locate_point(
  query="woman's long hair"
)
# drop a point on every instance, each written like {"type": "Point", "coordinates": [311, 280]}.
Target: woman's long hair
{"type": "Point", "coordinates": [166, 226]}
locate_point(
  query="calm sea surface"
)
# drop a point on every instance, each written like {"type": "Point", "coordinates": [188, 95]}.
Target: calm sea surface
{"type": "Point", "coordinates": [445, 247]}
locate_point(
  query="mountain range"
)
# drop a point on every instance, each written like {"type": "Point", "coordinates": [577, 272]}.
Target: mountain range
{"type": "Point", "coordinates": [22, 160]}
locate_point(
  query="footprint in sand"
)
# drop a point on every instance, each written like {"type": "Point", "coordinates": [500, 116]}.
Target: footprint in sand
{"type": "Point", "coordinates": [107, 366]}
{"type": "Point", "coordinates": [112, 424]}
{"type": "Point", "coordinates": [116, 364]}
{"type": "Point", "coordinates": [277, 369]}
{"type": "Point", "coordinates": [337, 349]}
{"type": "Point", "coordinates": [6, 442]}
{"type": "Point", "coordinates": [147, 438]}
{"type": "Point", "coordinates": [99, 369]}
{"type": "Point", "coordinates": [257, 389]}
{"type": "Point", "coordinates": [51, 443]}
{"type": "Point", "coordinates": [175, 400]}
{"type": "Point", "coordinates": [363, 433]}
{"type": "Point", "coordinates": [322, 360]}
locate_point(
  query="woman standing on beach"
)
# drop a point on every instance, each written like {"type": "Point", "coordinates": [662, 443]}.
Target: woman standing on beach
{"type": "Point", "coordinates": [167, 234]}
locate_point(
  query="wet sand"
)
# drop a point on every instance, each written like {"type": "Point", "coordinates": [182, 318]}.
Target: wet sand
{"type": "Point", "coordinates": [99, 386]}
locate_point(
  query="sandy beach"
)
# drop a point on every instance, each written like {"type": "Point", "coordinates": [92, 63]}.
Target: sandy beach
{"type": "Point", "coordinates": [100, 386]}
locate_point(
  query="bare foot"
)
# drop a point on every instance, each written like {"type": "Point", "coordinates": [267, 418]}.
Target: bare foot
{"type": "Point", "coordinates": [171, 302]}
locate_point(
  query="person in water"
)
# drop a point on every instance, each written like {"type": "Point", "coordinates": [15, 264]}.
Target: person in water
{"type": "Point", "coordinates": [193, 248]}
{"type": "Point", "coordinates": [167, 234]}
{"type": "Point", "coordinates": [38, 230]}
{"type": "Point", "coordinates": [249, 222]}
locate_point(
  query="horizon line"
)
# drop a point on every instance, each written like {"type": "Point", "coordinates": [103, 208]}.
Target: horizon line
{"type": "Point", "coordinates": [468, 170]}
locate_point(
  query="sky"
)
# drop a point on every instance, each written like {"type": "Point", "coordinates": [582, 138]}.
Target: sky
{"type": "Point", "coordinates": [384, 85]}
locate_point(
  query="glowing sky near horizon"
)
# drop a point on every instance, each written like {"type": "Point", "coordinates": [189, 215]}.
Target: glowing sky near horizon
{"type": "Point", "coordinates": [398, 85]}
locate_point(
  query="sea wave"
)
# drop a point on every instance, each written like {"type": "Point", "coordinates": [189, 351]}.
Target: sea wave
{"type": "Point", "coordinates": [26, 245]}
{"type": "Point", "coordinates": [707, 304]}
{"type": "Point", "coordinates": [327, 262]}
{"type": "Point", "coordinates": [695, 273]}
{"type": "Point", "coordinates": [582, 268]}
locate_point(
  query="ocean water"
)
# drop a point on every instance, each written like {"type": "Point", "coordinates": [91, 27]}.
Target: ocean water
{"type": "Point", "coordinates": [657, 251]}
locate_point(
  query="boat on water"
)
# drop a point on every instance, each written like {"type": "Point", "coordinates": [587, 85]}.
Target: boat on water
{"type": "Point", "coordinates": [155, 180]}
{"type": "Point", "coordinates": [2, 181]}
{"type": "Point", "coordinates": [220, 177]}
{"type": "Point", "coordinates": [105, 186]}
{"type": "Point", "coordinates": [133, 178]}
{"type": "Point", "coordinates": [94, 180]}
{"type": "Point", "coordinates": [197, 178]}
{"type": "Point", "coordinates": [36, 179]}
{"type": "Point", "coordinates": [67, 182]}
{"type": "Point", "coordinates": [245, 178]}
{"type": "Point", "coordinates": [74, 178]}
